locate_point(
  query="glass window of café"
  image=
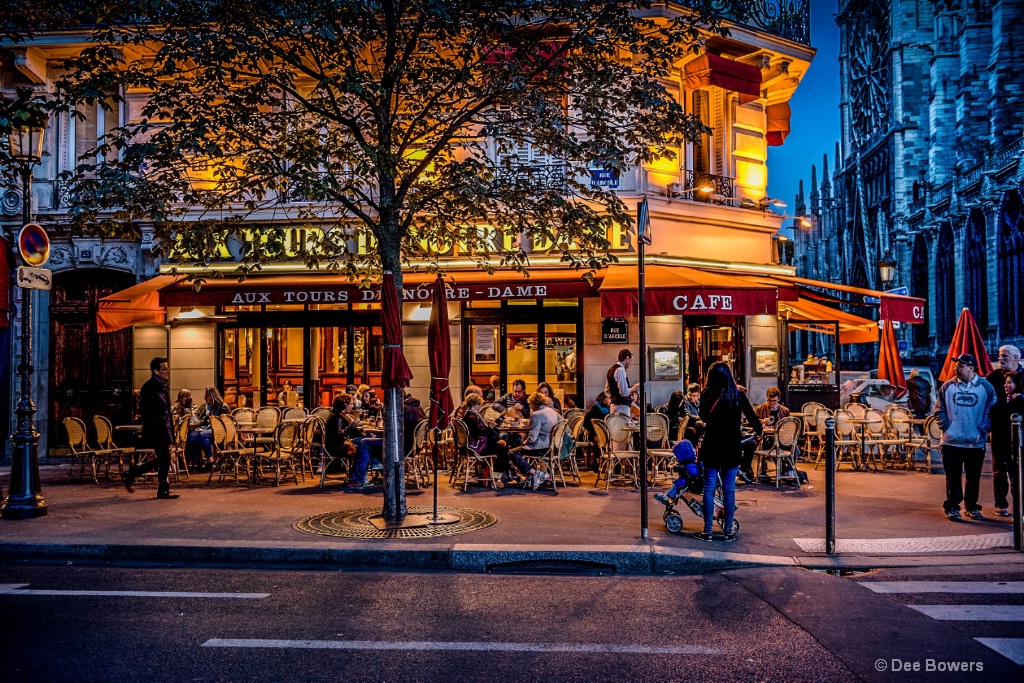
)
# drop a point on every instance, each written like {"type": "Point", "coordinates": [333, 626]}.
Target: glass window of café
{"type": "Point", "coordinates": [297, 355]}
{"type": "Point", "coordinates": [710, 339]}
{"type": "Point", "coordinates": [536, 340]}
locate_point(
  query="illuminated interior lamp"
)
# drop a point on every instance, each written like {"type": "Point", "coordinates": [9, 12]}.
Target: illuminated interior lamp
{"type": "Point", "coordinates": [189, 312]}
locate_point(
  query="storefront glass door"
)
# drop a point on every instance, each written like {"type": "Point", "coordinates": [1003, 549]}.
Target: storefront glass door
{"type": "Point", "coordinates": [706, 345]}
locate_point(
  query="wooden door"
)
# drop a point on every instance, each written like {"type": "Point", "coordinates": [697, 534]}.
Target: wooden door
{"type": "Point", "coordinates": [90, 373]}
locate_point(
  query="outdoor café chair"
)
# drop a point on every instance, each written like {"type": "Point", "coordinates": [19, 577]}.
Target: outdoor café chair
{"type": "Point", "coordinates": [857, 410]}
{"type": "Point", "coordinates": [417, 460]}
{"type": "Point", "coordinates": [106, 446]}
{"type": "Point", "coordinates": [179, 457]}
{"type": "Point", "coordinates": [928, 442]}
{"type": "Point", "coordinates": [784, 451]}
{"type": "Point", "coordinates": [572, 413]}
{"type": "Point", "coordinates": [551, 460]}
{"type": "Point", "coordinates": [470, 467]}
{"type": "Point", "coordinates": [615, 466]}
{"type": "Point", "coordinates": [293, 413]}
{"type": "Point", "coordinates": [662, 458]}
{"type": "Point", "coordinates": [810, 430]}
{"type": "Point", "coordinates": [244, 415]}
{"type": "Point", "coordinates": [267, 419]}
{"type": "Point", "coordinates": [684, 423]}
{"type": "Point", "coordinates": [878, 441]}
{"type": "Point", "coordinates": [847, 440]}
{"type": "Point", "coordinates": [287, 438]}
{"type": "Point", "coordinates": [81, 452]}
{"type": "Point", "coordinates": [312, 444]}
{"type": "Point", "coordinates": [323, 413]}
{"type": "Point", "coordinates": [228, 453]}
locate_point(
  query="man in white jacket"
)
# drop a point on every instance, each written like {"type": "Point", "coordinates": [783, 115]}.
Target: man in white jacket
{"type": "Point", "coordinates": [964, 404]}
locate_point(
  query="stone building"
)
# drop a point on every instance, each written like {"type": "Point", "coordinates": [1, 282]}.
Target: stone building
{"type": "Point", "coordinates": [928, 169]}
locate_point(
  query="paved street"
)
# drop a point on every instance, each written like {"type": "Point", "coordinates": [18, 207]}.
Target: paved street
{"type": "Point", "coordinates": [76, 623]}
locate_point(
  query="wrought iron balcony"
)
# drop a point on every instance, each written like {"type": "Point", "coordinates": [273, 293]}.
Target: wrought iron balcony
{"type": "Point", "coordinates": [694, 180]}
{"type": "Point", "coordinates": [789, 19]}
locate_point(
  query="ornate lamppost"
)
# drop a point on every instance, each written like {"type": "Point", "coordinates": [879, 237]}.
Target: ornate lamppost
{"type": "Point", "coordinates": [25, 499]}
{"type": "Point", "coordinates": [887, 270]}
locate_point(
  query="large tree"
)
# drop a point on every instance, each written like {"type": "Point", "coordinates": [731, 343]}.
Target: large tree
{"type": "Point", "coordinates": [416, 124]}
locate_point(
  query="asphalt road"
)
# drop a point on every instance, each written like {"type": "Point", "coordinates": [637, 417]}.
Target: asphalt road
{"type": "Point", "coordinates": [88, 623]}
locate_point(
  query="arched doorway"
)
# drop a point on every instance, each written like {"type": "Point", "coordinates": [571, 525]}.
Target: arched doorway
{"type": "Point", "coordinates": [90, 373]}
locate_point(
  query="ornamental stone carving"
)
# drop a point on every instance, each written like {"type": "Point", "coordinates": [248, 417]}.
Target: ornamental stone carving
{"type": "Point", "coordinates": [870, 72]}
{"type": "Point", "coordinates": [10, 203]}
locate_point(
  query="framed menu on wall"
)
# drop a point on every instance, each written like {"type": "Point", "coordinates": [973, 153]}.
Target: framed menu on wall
{"type": "Point", "coordinates": [485, 344]}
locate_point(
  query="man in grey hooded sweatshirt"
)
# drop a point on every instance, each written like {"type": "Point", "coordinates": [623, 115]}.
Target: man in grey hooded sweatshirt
{"type": "Point", "coordinates": [964, 404]}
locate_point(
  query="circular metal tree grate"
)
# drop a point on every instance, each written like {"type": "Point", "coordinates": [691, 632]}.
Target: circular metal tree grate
{"type": "Point", "coordinates": [357, 524]}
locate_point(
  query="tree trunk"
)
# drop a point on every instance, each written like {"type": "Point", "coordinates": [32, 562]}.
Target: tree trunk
{"type": "Point", "coordinates": [394, 397]}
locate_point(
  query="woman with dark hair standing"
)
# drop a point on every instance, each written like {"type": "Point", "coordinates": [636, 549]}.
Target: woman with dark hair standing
{"type": "Point", "coordinates": [722, 408]}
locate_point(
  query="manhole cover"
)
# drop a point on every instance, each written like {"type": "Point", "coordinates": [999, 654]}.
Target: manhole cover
{"type": "Point", "coordinates": [357, 523]}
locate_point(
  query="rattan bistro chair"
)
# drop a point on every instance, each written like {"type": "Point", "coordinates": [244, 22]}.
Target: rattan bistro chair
{"type": "Point", "coordinates": [783, 453]}
{"type": "Point", "coordinates": [228, 453]}
{"type": "Point", "coordinates": [552, 460]}
{"type": "Point", "coordinates": [616, 466]}
{"type": "Point", "coordinates": [661, 457]}
{"type": "Point", "coordinates": [106, 448]}
{"type": "Point", "coordinates": [470, 467]}
{"type": "Point", "coordinates": [81, 452]}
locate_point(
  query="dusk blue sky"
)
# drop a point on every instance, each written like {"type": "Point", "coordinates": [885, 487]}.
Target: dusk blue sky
{"type": "Point", "coordinates": [815, 121]}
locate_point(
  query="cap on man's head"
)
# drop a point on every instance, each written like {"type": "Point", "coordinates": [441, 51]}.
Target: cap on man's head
{"type": "Point", "coordinates": [966, 359]}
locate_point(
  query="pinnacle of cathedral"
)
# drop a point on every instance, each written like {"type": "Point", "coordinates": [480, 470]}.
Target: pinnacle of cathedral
{"type": "Point", "coordinates": [826, 182]}
{"type": "Point", "coordinates": [800, 207]}
{"type": "Point", "coordinates": [815, 206]}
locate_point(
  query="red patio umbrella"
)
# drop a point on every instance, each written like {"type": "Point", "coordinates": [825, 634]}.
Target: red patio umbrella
{"type": "Point", "coordinates": [890, 366]}
{"type": "Point", "coordinates": [966, 339]}
{"type": "Point", "coordinates": [395, 375]}
{"type": "Point", "coordinates": [439, 351]}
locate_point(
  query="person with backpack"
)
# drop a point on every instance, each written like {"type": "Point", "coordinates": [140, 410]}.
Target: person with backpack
{"type": "Point", "coordinates": [722, 409]}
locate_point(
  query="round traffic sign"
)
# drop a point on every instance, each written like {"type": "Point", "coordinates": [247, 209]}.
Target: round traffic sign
{"type": "Point", "coordinates": [34, 244]}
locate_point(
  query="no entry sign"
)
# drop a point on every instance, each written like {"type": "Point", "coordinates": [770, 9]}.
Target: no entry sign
{"type": "Point", "coordinates": [34, 244]}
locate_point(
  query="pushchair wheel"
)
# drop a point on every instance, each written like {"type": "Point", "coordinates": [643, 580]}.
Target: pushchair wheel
{"type": "Point", "coordinates": [673, 522]}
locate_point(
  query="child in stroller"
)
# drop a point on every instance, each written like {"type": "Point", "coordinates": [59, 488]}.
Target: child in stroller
{"type": "Point", "coordinates": [689, 481]}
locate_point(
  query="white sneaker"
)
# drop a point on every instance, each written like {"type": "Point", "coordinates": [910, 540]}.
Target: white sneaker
{"type": "Point", "coordinates": [539, 478]}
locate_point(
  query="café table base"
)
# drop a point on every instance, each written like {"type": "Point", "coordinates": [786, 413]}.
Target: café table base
{"type": "Point", "coordinates": [413, 521]}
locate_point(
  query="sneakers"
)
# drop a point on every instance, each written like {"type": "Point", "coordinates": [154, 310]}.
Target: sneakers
{"type": "Point", "coordinates": [662, 498]}
{"type": "Point", "coordinates": [701, 536]}
{"type": "Point", "coordinates": [954, 515]}
{"type": "Point", "coordinates": [729, 538]}
{"type": "Point", "coordinates": [538, 479]}
{"type": "Point", "coordinates": [1003, 512]}
{"type": "Point", "coordinates": [129, 482]}
{"type": "Point", "coordinates": [975, 514]}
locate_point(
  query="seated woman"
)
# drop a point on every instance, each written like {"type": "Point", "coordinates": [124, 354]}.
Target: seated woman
{"type": "Point", "coordinates": [483, 438]}
{"type": "Point", "coordinates": [200, 441]}
{"type": "Point", "coordinates": [545, 390]}
{"type": "Point", "coordinates": [183, 406]}
{"type": "Point", "coordinates": [542, 420]}
{"type": "Point", "coordinates": [339, 432]}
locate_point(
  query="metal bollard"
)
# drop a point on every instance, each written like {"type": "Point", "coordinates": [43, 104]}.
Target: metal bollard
{"type": "Point", "coordinates": [1017, 457]}
{"type": "Point", "coordinates": [830, 486]}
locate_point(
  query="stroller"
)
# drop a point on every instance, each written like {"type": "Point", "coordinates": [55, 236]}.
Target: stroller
{"type": "Point", "coordinates": [691, 482]}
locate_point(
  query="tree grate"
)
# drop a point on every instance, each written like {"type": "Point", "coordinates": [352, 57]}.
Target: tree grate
{"type": "Point", "coordinates": [356, 523]}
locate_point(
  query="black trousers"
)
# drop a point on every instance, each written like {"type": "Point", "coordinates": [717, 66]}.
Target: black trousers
{"type": "Point", "coordinates": [1002, 470]}
{"type": "Point", "coordinates": [957, 460]}
{"type": "Point", "coordinates": [162, 465]}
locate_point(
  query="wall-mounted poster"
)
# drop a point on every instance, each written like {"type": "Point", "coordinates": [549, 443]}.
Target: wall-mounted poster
{"type": "Point", "coordinates": [229, 344]}
{"type": "Point", "coordinates": [485, 344]}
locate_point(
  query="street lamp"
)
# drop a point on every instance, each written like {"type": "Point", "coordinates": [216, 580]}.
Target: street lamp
{"type": "Point", "coordinates": [887, 270]}
{"type": "Point", "coordinates": [25, 499]}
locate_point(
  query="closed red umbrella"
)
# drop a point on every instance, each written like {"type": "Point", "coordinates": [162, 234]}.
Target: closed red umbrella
{"type": "Point", "coordinates": [396, 372]}
{"type": "Point", "coordinates": [966, 339]}
{"type": "Point", "coordinates": [890, 366]}
{"type": "Point", "coordinates": [439, 351]}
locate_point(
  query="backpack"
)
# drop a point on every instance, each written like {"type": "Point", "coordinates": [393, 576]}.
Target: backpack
{"type": "Point", "coordinates": [567, 447]}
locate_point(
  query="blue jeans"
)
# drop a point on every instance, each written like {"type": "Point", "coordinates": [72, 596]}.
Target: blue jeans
{"type": "Point", "coordinates": [199, 440]}
{"type": "Point", "coordinates": [729, 495]}
{"type": "Point", "coordinates": [366, 448]}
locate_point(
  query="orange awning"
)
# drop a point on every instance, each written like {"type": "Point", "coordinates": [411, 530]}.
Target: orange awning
{"type": "Point", "coordinates": [778, 123]}
{"type": "Point", "coordinates": [679, 290]}
{"type": "Point", "coordinates": [137, 305]}
{"type": "Point", "coordinates": [709, 69]}
{"type": "Point", "coordinates": [894, 307]}
{"type": "Point", "coordinates": [804, 314]}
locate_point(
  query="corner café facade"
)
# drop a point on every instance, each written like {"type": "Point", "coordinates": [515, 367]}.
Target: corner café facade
{"type": "Point", "coordinates": [321, 332]}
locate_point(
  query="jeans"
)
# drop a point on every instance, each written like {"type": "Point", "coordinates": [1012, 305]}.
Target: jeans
{"type": "Point", "coordinates": [199, 440]}
{"type": "Point", "coordinates": [366, 448]}
{"type": "Point", "coordinates": [520, 462]}
{"type": "Point", "coordinates": [729, 496]}
{"type": "Point", "coordinates": [957, 460]}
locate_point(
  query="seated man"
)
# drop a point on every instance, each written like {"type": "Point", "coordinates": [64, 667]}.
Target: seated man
{"type": "Point", "coordinates": [770, 412]}
{"type": "Point", "coordinates": [517, 397]}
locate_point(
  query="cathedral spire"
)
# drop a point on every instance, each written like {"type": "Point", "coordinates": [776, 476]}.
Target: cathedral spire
{"type": "Point", "coordinates": [826, 182]}
{"type": "Point", "coordinates": [815, 206]}
{"type": "Point", "coordinates": [800, 208]}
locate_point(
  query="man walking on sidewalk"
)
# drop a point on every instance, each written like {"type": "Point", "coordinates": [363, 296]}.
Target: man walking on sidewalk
{"type": "Point", "coordinates": [157, 432]}
{"type": "Point", "coordinates": [1009, 364]}
{"type": "Point", "coordinates": [964, 405]}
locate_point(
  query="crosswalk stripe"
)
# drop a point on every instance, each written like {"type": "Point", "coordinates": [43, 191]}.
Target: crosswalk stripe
{"type": "Point", "coordinates": [1011, 648]}
{"type": "Point", "coordinates": [978, 587]}
{"type": "Point", "coordinates": [19, 590]}
{"type": "Point", "coordinates": [972, 612]}
{"type": "Point", "coordinates": [610, 648]}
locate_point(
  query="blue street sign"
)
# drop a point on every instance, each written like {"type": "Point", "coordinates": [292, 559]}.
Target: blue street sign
{"type": "Point", "coordinates": [604, 177]}
{"type": "Point", "coordinates": [899, 291]}
{"type": "Point", "coordinates": [903, 345]}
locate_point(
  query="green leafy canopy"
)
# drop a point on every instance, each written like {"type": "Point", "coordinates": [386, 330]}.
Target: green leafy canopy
{"type": "Point", "coordinates": [391, 120]}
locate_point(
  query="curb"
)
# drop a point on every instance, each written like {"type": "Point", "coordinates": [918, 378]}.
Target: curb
{"type": "Point", "coordinates": [458, 557]}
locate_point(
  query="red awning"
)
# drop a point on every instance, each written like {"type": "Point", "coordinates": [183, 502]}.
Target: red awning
{"type": "Point", "coordinates": [894, 307]}
{"type": "Point", "coordinates": [709, 69]}
{"type": "Point", "coordinates": [678, 290]}
{"type": "Point", "coordinates": [778, 123]}
{"type": "Point", "coordinates": [137, 305]}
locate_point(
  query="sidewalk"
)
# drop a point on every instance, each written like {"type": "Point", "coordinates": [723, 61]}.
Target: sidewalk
{"type": "Point", "coordinates": [884, 519]}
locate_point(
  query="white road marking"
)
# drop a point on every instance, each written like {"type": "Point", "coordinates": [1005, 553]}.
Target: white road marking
{"type": "Point", "coordinates": [1011, 648]}
{"type": "Point", "coordinates": [909, 546]}
{"type": "Point", "coordinates": [610, 648]}
{"type": "Point", "coordinates": [978, 587]}
{"type": "Point", "coordinates": [972, 612]}
{"type": "Point", "coordinates": [18, 589]}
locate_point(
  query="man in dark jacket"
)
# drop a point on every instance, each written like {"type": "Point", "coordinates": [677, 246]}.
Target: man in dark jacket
{"type": "Point", "coordinates": [919, 394]}
{"type": "Point", "coordinates": [157, 431]}
{"type": "Point", "coordinates": [1009, 364]}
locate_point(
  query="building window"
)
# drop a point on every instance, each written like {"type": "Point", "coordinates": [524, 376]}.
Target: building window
{"type": "Point", "coordinates": [1011, 265]}
{"type": "Point", "coordinates": [945, 286]}
{"type": "Point", "coordinates": [976, 269]}
{"type": "Point", "coordinates": [919, 286]}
